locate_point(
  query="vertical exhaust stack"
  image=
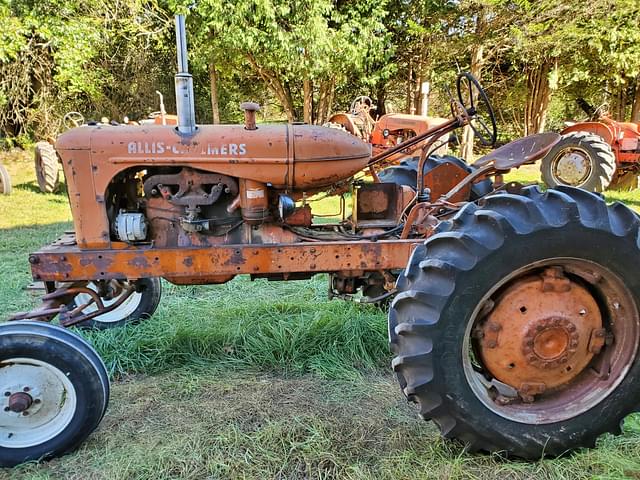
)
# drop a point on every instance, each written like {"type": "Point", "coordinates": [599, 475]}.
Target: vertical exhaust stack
{"type": "Point", "coordinates": [185, 108]}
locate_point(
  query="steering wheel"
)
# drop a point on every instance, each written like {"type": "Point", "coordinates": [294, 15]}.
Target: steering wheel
{"type": "Point", "coordinates": [473, 98]}
{"type": "Point", "coordinates": [72, 120]}
{"type": "Point", "coordinates": [365, 103]}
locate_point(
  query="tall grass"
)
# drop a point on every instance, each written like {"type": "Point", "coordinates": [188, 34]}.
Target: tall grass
{"type": "Point", "coordinates": [290, 328]}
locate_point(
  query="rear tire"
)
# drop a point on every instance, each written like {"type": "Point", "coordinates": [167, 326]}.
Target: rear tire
{"type": "Point", "coordinates": [62, 384]}
{"type": "Point", "coordinates": [47, 167]}
{"type": "Point", "coordinates": [5, 181]}
{"type": "Point", "coordinates": [448, 290]}
{"type": "Point", "coordinates": [580, 159]}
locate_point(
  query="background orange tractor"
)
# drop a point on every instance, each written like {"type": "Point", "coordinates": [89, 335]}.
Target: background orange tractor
{"type": "Point", "coordinates": [595, 155]}
{"type": "Point", "coordinates": [389, 130]}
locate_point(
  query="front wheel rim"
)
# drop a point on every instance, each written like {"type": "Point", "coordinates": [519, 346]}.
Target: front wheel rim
{"type": "Point", "coordinates": [38, 402]}
{"type": "Point", "coordinates": [585, 389]}
{"type": "Point", "coordinates": [128, 307]}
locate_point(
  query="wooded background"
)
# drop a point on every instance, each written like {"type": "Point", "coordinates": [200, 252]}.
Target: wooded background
{"type": "Point", "coordinates": [304, 59]}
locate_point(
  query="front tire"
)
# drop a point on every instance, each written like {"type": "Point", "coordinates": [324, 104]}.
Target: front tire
{"type": "Point", "coordinates": [503, 361]}
{"type": "Point", "coordinates": [47, 167]}
{"type": "Point", "coordinates": [5, 181]}
{"type": "Point", "coordinates": [580, 159]}
{"type": "Point", "coordinates": [54, 391]}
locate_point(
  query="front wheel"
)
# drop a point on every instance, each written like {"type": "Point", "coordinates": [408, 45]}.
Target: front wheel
{"type": "Point", "coordinates": [5, 181]}
{"type": "Point", "coordinates": [54, 391]}
{"type": "Point", "coordinates": [47, 167]}
{"type": "Point", "coordinates": [517, 329]}
{"type": "Point", "coordinates": [137, 306]}
{"type": "Point", "coordinates": [579, 159]}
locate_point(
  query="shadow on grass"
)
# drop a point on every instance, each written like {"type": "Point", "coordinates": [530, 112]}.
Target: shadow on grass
{"type": "Point", "coordinates": [61, 190]}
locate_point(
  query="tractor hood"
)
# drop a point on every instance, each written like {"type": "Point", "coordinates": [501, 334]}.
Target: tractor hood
{"type": "Point", "coordinates": [295, 157]}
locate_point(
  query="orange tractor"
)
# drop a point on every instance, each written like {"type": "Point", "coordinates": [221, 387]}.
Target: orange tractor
{"type": "Point", "coordinates": [595, 155]}
{"type": "Point", "coordinates": [509, 330]}
{"type": "Point", "coordinates": [389, 130]}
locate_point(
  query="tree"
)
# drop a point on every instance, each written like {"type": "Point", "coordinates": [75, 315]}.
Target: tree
{"type": "Point", "coordinates": [300, 49]}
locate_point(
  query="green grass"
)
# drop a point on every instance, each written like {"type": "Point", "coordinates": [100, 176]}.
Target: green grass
{"type": "Point", "coordinates": [258, 380]}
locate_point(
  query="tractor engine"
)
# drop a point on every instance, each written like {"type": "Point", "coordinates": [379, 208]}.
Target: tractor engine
{"type": "Point", "coordinates": [185, 207]}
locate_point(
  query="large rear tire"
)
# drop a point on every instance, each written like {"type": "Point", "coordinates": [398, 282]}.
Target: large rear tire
{"type": "Point", "coordinates": [579, 159]}
{"type": "Point", "coordinates": [496, 326]}
{"type": "Point", "coordinates": [5, 181]}
{"type": "Point", "coordinates": [54, 390]}
{"type": "Point", "coordinates": [47, 167]}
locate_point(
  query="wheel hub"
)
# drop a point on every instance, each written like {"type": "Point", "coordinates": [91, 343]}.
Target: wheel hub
{"type": "Point", "coordinates": [572, 167]}
{"type": "Point", "coordinates": [20, 402]}
{"type": "Point", "coordinates": [548, 342]}
{"type": "Point", "coordinates": [541, 333]}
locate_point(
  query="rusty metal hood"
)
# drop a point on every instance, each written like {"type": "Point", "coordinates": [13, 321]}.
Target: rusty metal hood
{"type": "Point", "coordinates": [287, 156]}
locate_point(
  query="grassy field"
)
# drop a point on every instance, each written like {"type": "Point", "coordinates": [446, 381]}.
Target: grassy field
{"type": "Point", "coordinates": [258, 380]}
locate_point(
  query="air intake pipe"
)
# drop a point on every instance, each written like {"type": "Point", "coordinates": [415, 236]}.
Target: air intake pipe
{"type": "Point", "coordinates": [185, 108]}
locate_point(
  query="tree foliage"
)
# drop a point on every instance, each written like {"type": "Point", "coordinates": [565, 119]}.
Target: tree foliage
{"type": "Point", "coordinates": [303, 59]}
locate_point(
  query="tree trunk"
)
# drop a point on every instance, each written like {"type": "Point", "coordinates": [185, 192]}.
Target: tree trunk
{"type": "Point", "coordinates": [538, 98]}
{"type": "Point", "coordinates": [213, 82]}
{"type": "Point", "coordinates": [280, 90]}
{"type": "Point", "coordinates": [381, 99]}
{"type": "Point", "coordinates": [466, 146]}
{"type": "Point", "coordinates": [324, 101]}
{"type": "Point", "coordinates": [635, 109]}
{"type": "Point", "coordinates": [418, 91]}
{"type": "Point", "coordinates": [409, 89]}
{"type": "Point", "coordinates": [307, 108]}
{"type": "Point", "coordinates": [622, 103]}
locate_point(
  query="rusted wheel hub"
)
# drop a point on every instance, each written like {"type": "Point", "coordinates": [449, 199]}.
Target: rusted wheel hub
{"type": "Point", "coordinates": [541, 333]}
{"type": "Point", "coordinates": [19, 402]}
{"type": "Point", "coordinates": [549, 342]}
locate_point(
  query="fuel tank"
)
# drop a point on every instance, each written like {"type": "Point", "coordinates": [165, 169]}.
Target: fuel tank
{"type": "Point", "coordinates": [295, 157]}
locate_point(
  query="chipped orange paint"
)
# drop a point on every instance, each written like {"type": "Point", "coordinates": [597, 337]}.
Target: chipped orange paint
{"type": "Point", "coordinates": [287, 157]}
{"type": "Point", "coordinates": [64, 262]}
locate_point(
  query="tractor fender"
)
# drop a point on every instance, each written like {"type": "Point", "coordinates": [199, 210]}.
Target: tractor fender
{"type": "Point", "coordinates": [607, 132]}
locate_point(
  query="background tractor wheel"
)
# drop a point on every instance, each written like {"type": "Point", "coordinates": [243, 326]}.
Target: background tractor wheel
{"type": "Point", "coordinates": [516, 328]}
{"type": "Point", "coordinates": [139, 306]}
{"type": "Point", "coordinates": [47, 167]}
{"type": "Point", "coordinates": [5, 181]}
{"type": "Point", "coordinates": [55, 391]}
{"type": "Point", "coordinates": [579, 159]}
{"type": "Point", "coordinates": [405, 173]}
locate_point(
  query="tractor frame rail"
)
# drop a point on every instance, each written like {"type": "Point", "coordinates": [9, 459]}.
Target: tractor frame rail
{"type": "Point", "coordinates": [64, 261]}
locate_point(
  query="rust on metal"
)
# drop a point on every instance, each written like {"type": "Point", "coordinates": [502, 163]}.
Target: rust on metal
{"type": "Point", "coordinates": [443, 178]}
{"type": "Point", "coordinates": [250, 110]}
{"type": "Point", "coordinates": [519, 152]}
{"type": "Point", "coordinates": [19, 402]}
{"type": "Point", "coordinates": [287, 157]}
{"type": "Point", "coordinates": [69, 263]}
{"type": "Point", "coordinates": [540, 333]}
